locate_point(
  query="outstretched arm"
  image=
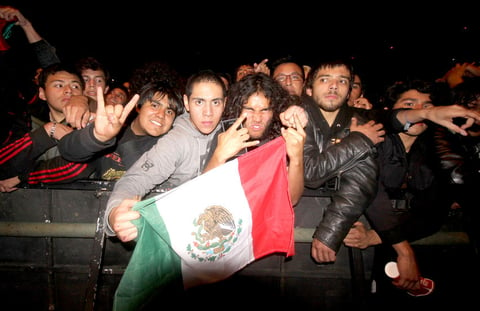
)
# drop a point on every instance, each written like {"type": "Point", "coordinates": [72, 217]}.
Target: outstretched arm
{"type": "Point", "coordinates": [442, 115]}
{"type": "Point", "coordinates": [46, 54]}
{"type": "Point", "coordinates": [10, 14]}
{"type": "Point", "coordinates": [82, 144]}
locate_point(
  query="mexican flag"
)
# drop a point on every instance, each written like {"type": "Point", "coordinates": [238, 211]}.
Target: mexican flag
{"type": "Point", "coordinates": [211, 226]}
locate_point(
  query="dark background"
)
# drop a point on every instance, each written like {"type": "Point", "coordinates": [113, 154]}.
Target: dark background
{"type": "Point", "coordinates": [385, 42]}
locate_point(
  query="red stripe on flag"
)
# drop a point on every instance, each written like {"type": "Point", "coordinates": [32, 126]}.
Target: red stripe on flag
{"type": "Point", "coordinates": [266, 189]}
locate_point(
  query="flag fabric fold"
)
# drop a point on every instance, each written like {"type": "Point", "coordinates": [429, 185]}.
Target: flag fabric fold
{"type": "Point", "coordinates": [211, 226]}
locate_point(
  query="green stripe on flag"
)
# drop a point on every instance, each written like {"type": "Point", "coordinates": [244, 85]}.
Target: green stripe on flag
{"type": "Point", "coordinates": [154, 267]}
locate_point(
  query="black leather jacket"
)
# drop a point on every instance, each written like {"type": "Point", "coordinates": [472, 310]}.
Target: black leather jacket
{"type": "Point", "coordinates": [350, 158]}
{"type": "Point", "coordinates": [460, 164]}
{"type": "Point", "coordinates": [411, 202]}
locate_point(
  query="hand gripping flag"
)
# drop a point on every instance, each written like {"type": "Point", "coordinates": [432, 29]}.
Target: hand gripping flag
{"type": "Point", "coordinates": [211, 226]}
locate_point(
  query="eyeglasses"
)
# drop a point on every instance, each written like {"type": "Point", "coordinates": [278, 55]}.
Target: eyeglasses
{"type": "Point", "coordinates": [293, 77]}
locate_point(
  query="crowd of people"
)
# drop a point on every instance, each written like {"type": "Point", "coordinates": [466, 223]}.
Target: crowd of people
{"type": "Point", "coordinates": [397, 166]}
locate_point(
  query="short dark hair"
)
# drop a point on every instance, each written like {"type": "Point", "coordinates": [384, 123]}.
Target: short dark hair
{"type": "Point", "coordinates": [57, 67]}
{"type": "Point", "coordinates": [175, 100]}
{"type": "Point", "coordinates": [92, 63]}
{"type": "Point", "coordinates": [330, 64]}
{"type": "Point", "coordinates": [395, 90]}
{"type": "Point", "coordinates": [205, 75]}
{"type": "Point", "coordinates": [284, 60]}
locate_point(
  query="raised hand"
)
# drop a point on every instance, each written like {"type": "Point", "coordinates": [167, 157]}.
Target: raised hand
{"type": "Point", "coordinates": [288, 119]}
{"type": "Point", "coordinates": [444, 115]}
{"type": "Point", "coordinates": [109, 119]}
{"type": "Point", "coordinates": [294, 141]}
{"type": "Point", "coordinates": [262, 67]}
{"type": "Point", "coordinates": [230, 143]}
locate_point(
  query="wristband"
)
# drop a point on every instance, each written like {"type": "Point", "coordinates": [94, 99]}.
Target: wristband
{"type": "Point", "coordinates": [52, 129]}
{"type": "Point", "coordinates": [407, 126]}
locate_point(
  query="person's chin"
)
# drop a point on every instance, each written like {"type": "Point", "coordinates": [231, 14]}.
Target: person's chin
{"type": "Point", "coordinates": [256, 137]}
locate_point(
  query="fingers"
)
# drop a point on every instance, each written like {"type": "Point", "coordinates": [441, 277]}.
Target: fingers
{"type": "Point", "coordinates": [288, 119]}
{"type": "Point", "coordinates": [354, 122]}
{"type": "Point", "coordinates": [100, 101]}
{"type": "Point", "coordinates": [129, 107]}
{"type": "Point", "coordinates": [251, 143]}
{"type": "Point", "coordinates": [262, 67]}
{"type": "Point", "coordinates": [263, 62]}
{"type": "Point", "coordinates": [238, 122]}
{"type": "Point", "coordinates": [86, 117]}
{"type": "Point", "coordinates": [457, 129]}
{"type": "Point", "coordinates": [128, 234]}
{"type": "Point", "coordinates": [468, 123]}
{"type": "Point", "coordinates": [357, 224]}
{"type": "Point", "coordinates": [7, 189]}
{"type": "Point", "coordinates": [296, 129]}
{"type": "Point", "coordinates": [120, 220]}
{"type": "Point", "coordinates": [298, 123]}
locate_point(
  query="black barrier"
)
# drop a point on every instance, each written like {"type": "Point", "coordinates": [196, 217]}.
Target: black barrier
{"type": "Point", "coordinates": [54, 252]}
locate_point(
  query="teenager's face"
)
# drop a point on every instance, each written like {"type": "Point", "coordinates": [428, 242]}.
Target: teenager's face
{"type": "Point", "coordinates": [205, 105]}
{"type": "Point", "coordinates": [155, 117]}
{"type": "Point", "coordinates": [413, 99]}
{"type": "Point", "coordinates": [59, 89]}
{"type": "Point", "coordinates": [93, 79]}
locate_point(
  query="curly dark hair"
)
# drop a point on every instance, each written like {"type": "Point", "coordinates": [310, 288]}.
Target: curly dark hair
{"type": "Point", "coordinates": [154, 72]}
{"type": "Point", "coordinates": [240, 91]}
{"type": "Point", "coordinates": [467, 92]}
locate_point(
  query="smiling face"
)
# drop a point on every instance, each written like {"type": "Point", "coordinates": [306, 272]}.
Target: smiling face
{"type": "Point", "coordinates": [155, 116]}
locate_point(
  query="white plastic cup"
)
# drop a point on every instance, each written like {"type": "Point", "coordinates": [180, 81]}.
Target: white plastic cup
{"type": "Point", "coordinates": [426, 285]}
{"type": "Point", "coordinates": [391, 270]}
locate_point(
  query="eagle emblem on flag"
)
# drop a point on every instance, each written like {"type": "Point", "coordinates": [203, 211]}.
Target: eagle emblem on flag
{"type": "Point", "coordinates": [215, 235]}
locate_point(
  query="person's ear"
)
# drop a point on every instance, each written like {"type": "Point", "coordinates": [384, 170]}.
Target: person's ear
{"type": "Point", "coordinates": [185, 103]}
{"type": "Point", "coordinates": [41, 94]}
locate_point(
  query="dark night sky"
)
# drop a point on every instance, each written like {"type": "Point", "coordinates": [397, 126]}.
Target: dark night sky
{"type": "Point", "coordinates": [384, 45]}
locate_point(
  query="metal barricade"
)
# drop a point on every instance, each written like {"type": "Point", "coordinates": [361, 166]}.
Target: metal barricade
{"type": "Point", "coordinates": [55, 236]}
